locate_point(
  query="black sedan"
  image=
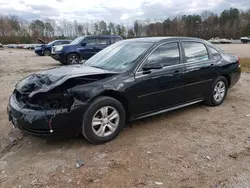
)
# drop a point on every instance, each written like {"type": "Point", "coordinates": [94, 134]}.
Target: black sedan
{"type": "Point", "coordinates": [128, 80]}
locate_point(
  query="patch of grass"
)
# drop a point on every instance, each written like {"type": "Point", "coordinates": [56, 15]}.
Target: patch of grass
{"type": "Point", "coordinates": [245, 64]}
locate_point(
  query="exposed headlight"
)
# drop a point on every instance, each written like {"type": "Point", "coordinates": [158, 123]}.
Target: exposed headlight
{"type": "Point", "coordinates": [58, 48]}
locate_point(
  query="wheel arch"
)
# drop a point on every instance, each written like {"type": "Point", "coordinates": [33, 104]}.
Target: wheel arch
{"type": "Point", "coordinates": [228, 79]}
{"type": "Point", "coordinates": [118, 96]}
{"type": "Point", "coordinates": [73, 52]}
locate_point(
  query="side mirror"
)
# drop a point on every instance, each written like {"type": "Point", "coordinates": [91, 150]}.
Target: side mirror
{"type": "Point", "coordinates": [83, 44]}
{"type": "Point", "coordinates": [152, 65]}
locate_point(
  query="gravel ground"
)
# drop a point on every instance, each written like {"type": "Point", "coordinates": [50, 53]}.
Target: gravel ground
{"type": "Point", "coordinates": [197, 146]}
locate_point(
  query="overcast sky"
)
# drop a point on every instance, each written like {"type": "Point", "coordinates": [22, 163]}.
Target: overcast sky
{"type": "Point", "coordinates": [113, 10]}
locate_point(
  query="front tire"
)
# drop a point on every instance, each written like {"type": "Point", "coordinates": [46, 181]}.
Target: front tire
{"type": "Point", "coordinates": [72, 59]}
{"type": "Point", "coordinates": [218, 92]}
{"type": "Point", "coordinates": [103, 120]}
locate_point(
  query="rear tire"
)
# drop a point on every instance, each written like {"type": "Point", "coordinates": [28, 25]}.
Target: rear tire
{"type": "Point", "coordinates": [218, 92]}
{"type": "Point", "coordinates": [103, 120]}
{"type": "Point", "coordinates": [73, 59]}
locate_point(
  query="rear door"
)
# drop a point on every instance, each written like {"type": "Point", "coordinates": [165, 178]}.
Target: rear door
{"type": "Point", "coordinates": [101, 43]}
{"type": "Point", "coordinates": [200, 69]}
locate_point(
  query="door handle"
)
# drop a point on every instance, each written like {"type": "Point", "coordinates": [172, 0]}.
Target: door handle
{"type": "Point", "coordinates": [177, 72]}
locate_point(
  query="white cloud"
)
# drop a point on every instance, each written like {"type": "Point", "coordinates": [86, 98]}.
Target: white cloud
{"type": "Point", "coordinates": [113, 10]}
{"type": "Point", "coordinates": [124, 16]}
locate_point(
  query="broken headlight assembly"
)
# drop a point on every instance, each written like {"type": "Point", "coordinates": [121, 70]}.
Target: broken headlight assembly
{"type": "Point", "coordinates": [50, 100]}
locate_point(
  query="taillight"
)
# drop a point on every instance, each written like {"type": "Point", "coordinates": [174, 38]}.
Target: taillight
{"type": "Point", "coordinates": [238, 59]}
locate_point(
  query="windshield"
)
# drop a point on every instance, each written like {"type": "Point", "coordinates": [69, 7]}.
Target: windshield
{"type": "Point", "coordinates": [118, 57]}
{"type": "Point", "coordinates": [77, 40]}
{"type": "Point", "coordinates": [51, 43]}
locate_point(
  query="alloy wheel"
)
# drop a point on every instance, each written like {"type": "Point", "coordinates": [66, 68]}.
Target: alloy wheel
{"type": "Point", "coordinates": [73, 59]}
{"type": "Point", "coordinates": [219, 91]}
{"type": "Point", "coordinates": [105, 121]}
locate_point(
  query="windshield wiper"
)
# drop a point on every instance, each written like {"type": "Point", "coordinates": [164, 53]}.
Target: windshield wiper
{"type": "Point", "coordinates": [97, 67]}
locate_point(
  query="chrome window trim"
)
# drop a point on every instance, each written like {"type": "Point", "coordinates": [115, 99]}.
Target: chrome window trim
{"type": "Point", "coordinates": [139, 74]}
{"type": "Point", "coordinates": [143, 61]}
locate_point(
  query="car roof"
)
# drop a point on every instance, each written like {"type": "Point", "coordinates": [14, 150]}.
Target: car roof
{"type": "Point", "coordinates": [62, 40]}
{"type": "Point", "coordinates": [108, 36]}
{"type": "Point", "coordinates": [162, 39]}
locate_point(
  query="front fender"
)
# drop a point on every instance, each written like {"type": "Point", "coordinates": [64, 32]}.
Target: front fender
{"type": "Point", "coordinates": [75, 50]}
{"type": "Point", "coordinates": [85, 94]}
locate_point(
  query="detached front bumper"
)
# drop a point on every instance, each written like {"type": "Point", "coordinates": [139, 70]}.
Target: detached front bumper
{"type": "Point", "coordinates": [36, 122]}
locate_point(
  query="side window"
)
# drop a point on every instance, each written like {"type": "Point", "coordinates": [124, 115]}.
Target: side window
{"type": "Point", "coordinates": [215, 53]}
{"type": "Point", "coordinates": [65, 42]}
{"type": "Point", "coordinates": [91, 41]}
{"type": "Point", "coordinates": [103, 41]}
{"type": "Point", "coordinates": [166, 54]}
{"type": "Point", "coordinates": [57, 43]}
{"type": "Point", "coordinates": [195, 51]}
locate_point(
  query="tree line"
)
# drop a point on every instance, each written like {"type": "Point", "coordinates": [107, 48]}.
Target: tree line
{"type": "Point", "coordinates": [231, 23]}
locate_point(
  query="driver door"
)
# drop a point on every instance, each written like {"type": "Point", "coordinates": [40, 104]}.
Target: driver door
{"type": "Point", "coordinates": [157, 89]}
{"type": "Point", "coordinates": [89, 48]}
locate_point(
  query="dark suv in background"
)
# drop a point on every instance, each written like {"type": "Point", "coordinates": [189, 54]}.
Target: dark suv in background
{"type": "Point", "coordinates": [82, 48]}
{"type": "Point", "coordinates": [45, 49]}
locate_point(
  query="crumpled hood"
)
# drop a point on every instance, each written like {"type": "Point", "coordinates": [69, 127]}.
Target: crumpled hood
{"type": "Point", "coordinates": [49, 79]}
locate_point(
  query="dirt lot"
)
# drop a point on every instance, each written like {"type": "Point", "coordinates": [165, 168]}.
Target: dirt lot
{"type": "Point", "coordinates": [197, 146]}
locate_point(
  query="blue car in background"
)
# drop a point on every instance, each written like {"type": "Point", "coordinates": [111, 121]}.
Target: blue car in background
{"type": "Point", "coordinates": [45, 49]}
{"type": "Point", "coordinates": [82, 48]}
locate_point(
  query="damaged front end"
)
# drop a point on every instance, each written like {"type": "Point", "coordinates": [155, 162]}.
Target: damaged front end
{"type": "Point", "coordinates": [43, 104]}
{"type": "Point", "coordinates": [45, 101]}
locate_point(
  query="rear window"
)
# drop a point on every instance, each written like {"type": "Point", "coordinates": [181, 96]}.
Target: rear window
{"type": "Point", "coordinates": [195, 52]}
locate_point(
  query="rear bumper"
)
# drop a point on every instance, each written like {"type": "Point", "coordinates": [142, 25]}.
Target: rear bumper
{"type": "Point", "coordinates": [235, 76]}
{"type": "Point", "coordinates": [64, 123]}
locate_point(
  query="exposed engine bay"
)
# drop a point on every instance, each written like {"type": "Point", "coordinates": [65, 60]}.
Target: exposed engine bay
{"type": "Point", "coordinates": [56, 92]}
{"type": "Point", "coordinates": [57, 98]}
